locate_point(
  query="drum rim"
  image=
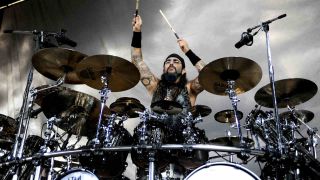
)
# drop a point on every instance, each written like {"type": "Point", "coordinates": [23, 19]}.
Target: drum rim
{"type": "Point", "coordinates": [74, 170]}
{"type": "Point", "coordinates": [225, 164]}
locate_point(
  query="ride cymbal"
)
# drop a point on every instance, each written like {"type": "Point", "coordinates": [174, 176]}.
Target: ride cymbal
{"type": "Point", "coordinates": [201, 110]}
{"type": "Point", "coordinates": [288, 92]}
{"type": "Point", "coordinates": [227, 116]}
{"type": "Point", "coordinates": [164, 106]}
{"type": "Point", "coordinates": [215, 75]}
{"type": "Point", "coordinates": [54, 63]}
{"type": "Point", "coordinates": [121, 74]}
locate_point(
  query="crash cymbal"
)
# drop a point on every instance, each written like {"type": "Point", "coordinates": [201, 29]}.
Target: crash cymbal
{"type": "Point", "coordinates": [227, 116]}
{"type": "Point", "coordinates": [245, 72]}
{"type": "Point", "coordinates": [8, 129]}
{"type": "Point", "coordinates": [231, 141]}
{"type": "Point", "coordinates": [201, 110]}
{"type": "Point", "coordinates": [127, 106]}
{"type": "Point", "coordinates": [77, 111]}
{"type": "Point", "coordinates": [53, 63]}
{"type": "Point", "coordinates": [288, 92]}
{"type": "Point", "coordinates": [303, 115]}
{"type": "Point", "coordinates": [164, 106]}
{"type": "Point", "coordinates": [121, 74]}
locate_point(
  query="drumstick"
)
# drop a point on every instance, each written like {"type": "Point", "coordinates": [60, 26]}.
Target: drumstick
{"type": "Point", "coordinates": [137, 7]}
{"type": "Point", "coordinates": [169, 24]}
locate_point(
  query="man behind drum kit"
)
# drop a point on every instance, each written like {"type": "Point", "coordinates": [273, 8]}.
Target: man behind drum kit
{"type": "Point", "coordinates": [173, 85]}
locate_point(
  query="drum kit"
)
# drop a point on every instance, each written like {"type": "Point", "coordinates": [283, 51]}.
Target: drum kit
{"type": "Point", "coordinates": [157, 150]}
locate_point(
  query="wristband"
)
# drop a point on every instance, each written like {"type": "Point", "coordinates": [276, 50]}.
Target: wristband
{"type": "Point", "coordinates": [136, 40]}
{"type": "Point", "coordinates": [192, 57]}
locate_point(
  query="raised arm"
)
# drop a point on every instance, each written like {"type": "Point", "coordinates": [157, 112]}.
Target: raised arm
{"type": "Point", "coordinates": [194, 85]}
{"type": "Point", "coordinates": [146, 76]}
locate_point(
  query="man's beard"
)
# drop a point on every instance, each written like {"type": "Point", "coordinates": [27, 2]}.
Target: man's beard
{"type": "Point", "coordinates": [171, 77]}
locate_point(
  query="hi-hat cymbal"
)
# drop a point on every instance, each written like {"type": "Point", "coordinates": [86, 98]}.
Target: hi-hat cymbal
{"type": "Point", "coordinates": [201, 110]}
{"type": "Point", "coordinates": [227, 116]}
{"type": "Point", "coordinates": [8, 127]}
{"type": "Point", "coordinates": [127, 106]}
{"type": "Point", "coordinates": [231, 141]}
{"type": "Point", "coordinates": [303, 115]}
{"type": "Point", "coordinates": [245, 72]}
{"type": "Point", "coordinates": [164, 106]}
{"type": "Point", "coordinates": [53, 63]}
{"type": "Point", "coordinates": [288, 92]}
{"type": "Point", "coordinates": [121, 74]}
{"type": "Point", "coordinates": [78, 111]}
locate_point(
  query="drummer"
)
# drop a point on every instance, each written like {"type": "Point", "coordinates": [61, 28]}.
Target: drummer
{"type": "Point", "coordinates": [173, 84]}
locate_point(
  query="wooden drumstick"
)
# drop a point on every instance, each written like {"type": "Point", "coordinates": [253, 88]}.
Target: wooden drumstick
{"type": "Point", "coordinates": [137, 7]}
{"type": "Point", "coordinates": [169, 24]}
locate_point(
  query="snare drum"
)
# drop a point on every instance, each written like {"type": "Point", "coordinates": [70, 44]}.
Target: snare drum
{"type": "Point", "coordinates": [223, 171]}
{"type": "Point", "coordinates": [77, 174]}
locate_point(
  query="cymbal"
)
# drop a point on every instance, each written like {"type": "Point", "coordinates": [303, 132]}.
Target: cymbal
{"type": "Point", "coordinates": [121, 74]}
{"type": "Point", "coordinates": [8, 129]}
{"type": "Point", "coordinates": [231, 141]}
{"type": "Point", "coordinates": [78, 111]}
{"type": "Point", "coordinates": [227, 116]}
{"type": "Point", "coordinates": [164, 106]}
{"type": "Point", "coordinates": [201, 110]}
{"type": "Point", "coordinates": [304, 115]}
{"type": "Point", "coordinates": [53, 63]}
{"type": "Point", "coordinates": [127, 106]}
{"type": "Point", "coordinates": [245, 72]}
{"type": "Point", "coordinates": [288, 92]}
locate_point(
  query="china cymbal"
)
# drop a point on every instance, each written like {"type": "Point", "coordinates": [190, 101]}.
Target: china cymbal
{"type": "Point", "coordinates": [201, 110]}
{"type": "Point", "coordinates": [227, 116]}
{"type": "Point", "coordinates": [288, 92]}
{"type": "Point", "coordinates": [303, 115]}
{"type": "Point", "coordinates": [164, 106]}
{"type": "Point", "coordinates": [127, 106]}
{"type": "Point", "coordinates": [78, 111]}
{"type": "Point", "coordinates": [8, 129]}
{"type": "Point", "coordinates": [245, 72]}
{"type": "Point", "coordinates": [121, 74]}
{"type": "Point", "coordinates": [53, 63]}
{"type": "Point", "coordinates": [231, 141]}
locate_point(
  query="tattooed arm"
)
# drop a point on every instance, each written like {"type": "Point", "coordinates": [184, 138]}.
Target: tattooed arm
{"type": "Point", "coordinates": [146, 76]}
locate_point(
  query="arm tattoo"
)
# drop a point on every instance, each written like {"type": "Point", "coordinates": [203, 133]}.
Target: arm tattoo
{"type": "Point", "coordinates": [196, 87]}
{"type": "Point", "coordinates": [200, 65]}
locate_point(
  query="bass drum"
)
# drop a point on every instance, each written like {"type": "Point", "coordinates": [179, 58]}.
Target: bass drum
{"type": "Point", "coordinates": [223, 171]}
{"type": "Point", "coordinates": [77, 174]}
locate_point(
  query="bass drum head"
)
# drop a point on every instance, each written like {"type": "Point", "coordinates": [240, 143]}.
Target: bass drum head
{"type": "Point", "coordinates": [223, 171]}
{"type": "Point", "coordinates": [77, 174]}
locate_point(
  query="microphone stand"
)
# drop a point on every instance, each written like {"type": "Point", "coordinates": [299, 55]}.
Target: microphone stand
{"type": "Point", "coordinates": [265, 28]}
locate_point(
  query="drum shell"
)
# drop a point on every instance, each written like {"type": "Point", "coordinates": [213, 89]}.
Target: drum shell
{"type": "Point", "coordinates": [77, 174]}
{"type": "Point", "coordinates": [157, 134]}
{"type": "Point", "coordinates": [109, 164]}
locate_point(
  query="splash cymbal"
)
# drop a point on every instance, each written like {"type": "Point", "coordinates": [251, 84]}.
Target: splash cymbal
{"type": "Point", "coordinates": [227, 116]}
{"type": "Point", "coordinates": [304, 115]}
{"type": "Point", "coordinates": [121, 74]}
{"type": "Point", "coordinates": [127, 106]}
{"type": "Point", "coordinates": [53, 63]}
{"type": "Point", "coordinates": [215, 75]}
{"type": "Point", "coordinates": [164, 106]}
{"type": "Point", "coordinates": [201, 110]}
{"type": "Point", "coordinates": [288, 92]}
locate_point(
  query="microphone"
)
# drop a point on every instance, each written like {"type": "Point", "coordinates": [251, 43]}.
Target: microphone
{"type": "Point", "coordinates": [61, 39]}
{"type": "Point", "coordinates": [246, 39]}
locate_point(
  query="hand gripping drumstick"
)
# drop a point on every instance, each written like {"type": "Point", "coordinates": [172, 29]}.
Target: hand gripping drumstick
{"type": "Point", "coordinates": [137, 7]}
{"type": "Point", "coordinates": [169, 24]}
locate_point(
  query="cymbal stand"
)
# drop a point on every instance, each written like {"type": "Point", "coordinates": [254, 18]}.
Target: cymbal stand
{"type": "Point", "coordinates": [234, 100]}
{"type": "Point", "coordinates": [312, 133]}
{"type": "Point", "coordinates": [48, 134]}
{"type": "Point", "coordinates": [104, 96]}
